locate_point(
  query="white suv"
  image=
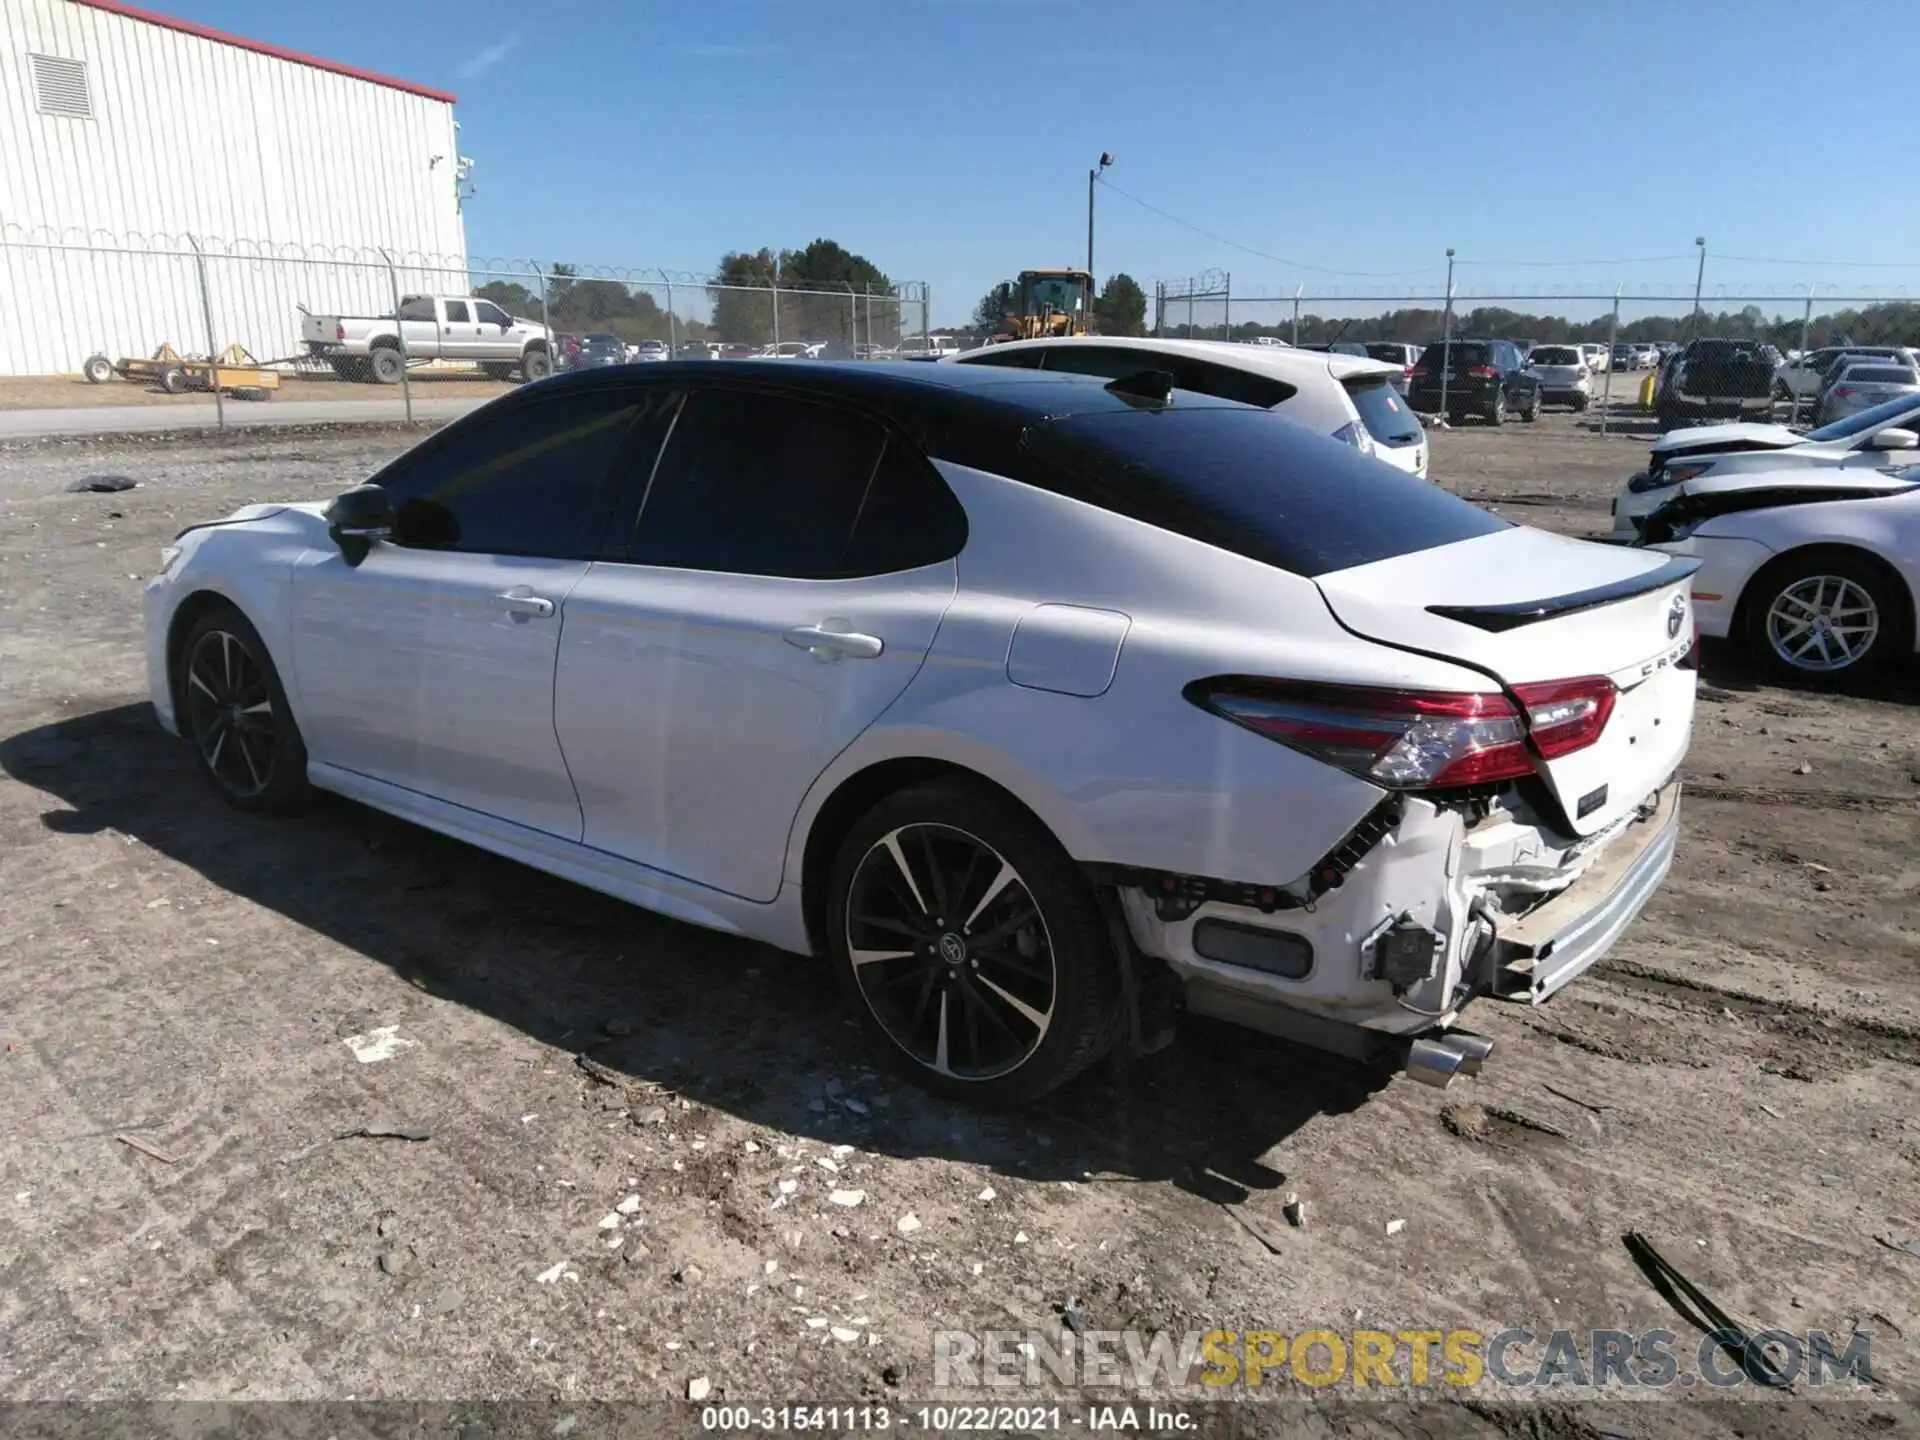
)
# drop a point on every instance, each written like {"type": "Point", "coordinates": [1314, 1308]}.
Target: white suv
{"type": "Point", "coordinates": [1348, 397]}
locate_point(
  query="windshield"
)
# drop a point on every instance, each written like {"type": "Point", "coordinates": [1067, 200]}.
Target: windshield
{"type": "Point", "coordinates": [1555, 355]}
{"type": "Point", "coordinates": [1864, 422]}
{"type": "Point", "coordinates": [1057, 293]}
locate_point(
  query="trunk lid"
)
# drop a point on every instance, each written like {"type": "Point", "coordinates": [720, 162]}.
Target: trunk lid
{"type": "Point", "coordinates": [1522, 607]}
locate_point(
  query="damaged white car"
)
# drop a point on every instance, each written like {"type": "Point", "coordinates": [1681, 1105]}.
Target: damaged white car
{"type": "Point", "coordinates": [1813, 571]}
{"type": "Point", "coordinates": [1038, 705]}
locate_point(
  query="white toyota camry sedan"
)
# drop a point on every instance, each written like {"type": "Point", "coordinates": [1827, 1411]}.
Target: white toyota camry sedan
{"type": "Point", "coordinates": [1042, 706]}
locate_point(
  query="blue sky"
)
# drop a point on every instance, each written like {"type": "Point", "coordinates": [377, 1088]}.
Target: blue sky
{"type": "Point", "coordinates": [949, 140]}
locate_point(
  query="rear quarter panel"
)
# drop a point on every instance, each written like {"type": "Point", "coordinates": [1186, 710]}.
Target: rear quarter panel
{"type": "Point", "coordinates": [1136, 775]}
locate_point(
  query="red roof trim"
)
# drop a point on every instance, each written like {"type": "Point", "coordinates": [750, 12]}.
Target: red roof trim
{"type": "Point", "coordinates": [260, 47]}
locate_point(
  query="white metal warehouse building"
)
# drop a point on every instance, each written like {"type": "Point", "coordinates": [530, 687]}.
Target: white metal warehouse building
{"type": "Point", "coordinates": [160, 180]}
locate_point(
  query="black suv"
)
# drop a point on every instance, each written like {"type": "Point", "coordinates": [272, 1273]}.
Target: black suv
{"type": "Point", "coordinates": [1488, 378]}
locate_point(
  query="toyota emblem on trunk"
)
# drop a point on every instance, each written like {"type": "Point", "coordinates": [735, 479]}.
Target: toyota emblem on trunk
{"type": "Point", "coordinates": [1676, 613]}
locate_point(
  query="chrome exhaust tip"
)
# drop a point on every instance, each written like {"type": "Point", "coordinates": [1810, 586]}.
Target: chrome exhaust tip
{"type": "Point", "coordinates": [1433, 1062]}
{"type": "Point", "coordinates": [1473, 1050]}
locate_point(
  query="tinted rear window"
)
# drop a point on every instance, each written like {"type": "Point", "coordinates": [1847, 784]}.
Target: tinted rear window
{"type": "Point", "coordinates": [1555, 355]}
{"type": "Point", "coordinates": [1250, 483]}
{"type": "Point", "coordinates": [1879, 375]}
{"type": "Point", "coordinates": [1465, 352]}
{"type": "Point", "coordinates": [1384, 413]}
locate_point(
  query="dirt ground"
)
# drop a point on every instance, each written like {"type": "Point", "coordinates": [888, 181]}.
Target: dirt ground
{"type": "Point", "coordinates": [1738, 1081]}
{"type": "Point", "coordinates": [65, 392]}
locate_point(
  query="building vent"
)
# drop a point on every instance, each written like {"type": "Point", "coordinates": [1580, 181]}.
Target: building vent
{"type": "Point", "coordinates": [60, 87]}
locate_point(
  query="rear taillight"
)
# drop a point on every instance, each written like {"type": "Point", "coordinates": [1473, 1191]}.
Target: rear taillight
{"type": "Point", "coordinates": [1580, 372]}
{"type": "Point", "coordinates": [1481, 372]}
{"type": "Point", "coordinates": [339, 332]}
{"type": "Point", "coordinates": [1566, 715]}
{"type": "Point", "coordinates": [1418, 372]}
{"type": "Point", "coordinates": [1842, 392]}
{"type": "Point", "coordinates": [1416, 739]}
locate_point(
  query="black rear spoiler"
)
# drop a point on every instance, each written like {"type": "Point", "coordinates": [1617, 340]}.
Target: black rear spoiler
{"type": "Point", "coordinates": [1514, 614]}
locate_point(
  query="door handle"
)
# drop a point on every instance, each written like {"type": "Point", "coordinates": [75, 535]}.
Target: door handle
{"type": "Point", "coordinates": [522, 601]}
{"type": "Point", "coordinates": [834, 640]}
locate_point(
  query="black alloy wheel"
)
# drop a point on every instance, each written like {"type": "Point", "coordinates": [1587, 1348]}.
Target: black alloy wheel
{"type": "Point", "coordinates": [974, 944]}
{"type": "Point", "coordinates": [235, 712]}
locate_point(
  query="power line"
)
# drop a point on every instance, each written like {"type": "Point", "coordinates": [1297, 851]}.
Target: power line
{"type": "Point", "coordinates": [1829, 264]}
{"type": "Point", "coordinates": [1636, 260]}
{"type": "Point", "coordinates": [1250, 250]}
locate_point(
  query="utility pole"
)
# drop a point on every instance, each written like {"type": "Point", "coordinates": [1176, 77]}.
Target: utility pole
{"type": "Point", "coordinates": [1093, 175]}
{"type": "Point", "coordinates": [1699, 279]}
{"type": "Point", "coordinates": [1446, 338]}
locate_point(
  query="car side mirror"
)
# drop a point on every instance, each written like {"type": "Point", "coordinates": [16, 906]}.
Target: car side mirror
{"type": "Point", "coordinates": [357, 518]}
{"type": "Point", "coordinates": [1894, 437]}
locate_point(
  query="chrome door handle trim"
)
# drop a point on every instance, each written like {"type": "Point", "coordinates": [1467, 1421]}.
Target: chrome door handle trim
{"type": "Point", "coordinates": [519, 602]}
{"type": "Point", "coordinates": [826, 643]}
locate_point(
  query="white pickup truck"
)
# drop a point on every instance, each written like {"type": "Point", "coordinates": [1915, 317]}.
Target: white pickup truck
{"type": "Point", "coordinates": [369, 347]}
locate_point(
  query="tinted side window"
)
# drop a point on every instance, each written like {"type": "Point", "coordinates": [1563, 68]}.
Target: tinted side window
{"type": "Point", "coordinates": [909, 517]}
{"type": "Point", "coordinates": [418, 308]}
{"type": "Point", "coordinates": [754, 483]}
{"type": "Point", "coordinates": [1202, 377]}
{"type": "Point", "coordinates": [489, 314]}
{"type": "Point", "coordinates": [529, 480]}
{"type": "Point", "coordinates": [457, 312]}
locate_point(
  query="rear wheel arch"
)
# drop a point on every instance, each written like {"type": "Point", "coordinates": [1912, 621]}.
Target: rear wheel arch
{"type": "Point", "coordinates": [851, 799]}
{"type": "Point", "coordinates": [1787, 561]}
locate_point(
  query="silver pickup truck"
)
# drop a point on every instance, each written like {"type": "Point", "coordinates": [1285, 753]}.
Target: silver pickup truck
{"type": "Point", "coordinates": [434, 327]}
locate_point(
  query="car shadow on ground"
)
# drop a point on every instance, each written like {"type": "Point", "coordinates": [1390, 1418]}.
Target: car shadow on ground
{"type": "Point", "coordinates": [722, 1022]}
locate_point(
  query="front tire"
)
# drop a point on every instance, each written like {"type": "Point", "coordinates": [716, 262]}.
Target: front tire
{"type": "Point", "coordinates": [1498, 414]}
{"type": "Point", "coordinates": [98, 369]}
{"type": "Point", "coordinates": [974, 947]}
{"type": "Point", "coordinates": [536, 364]}
{"type": "Point", "coordinates": [233, 709]}
{"type": "Point", "coordinates": [1824, 615]}
{"type": "Point", "coordinates": [1531, 412]}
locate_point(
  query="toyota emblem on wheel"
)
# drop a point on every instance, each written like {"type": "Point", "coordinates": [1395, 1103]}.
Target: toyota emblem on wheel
{"type": "Point", "coordinates": [1676, 614]}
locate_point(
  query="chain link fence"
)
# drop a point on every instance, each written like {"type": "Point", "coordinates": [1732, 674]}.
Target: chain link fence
{"type": "Point", "coordinates": [65, 298]}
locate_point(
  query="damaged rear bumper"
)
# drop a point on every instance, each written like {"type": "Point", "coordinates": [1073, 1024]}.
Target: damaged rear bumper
{"type": "Point", "coordinates": [1448, 896]}
{"type": "Point", "coordinates": [1538, 955]}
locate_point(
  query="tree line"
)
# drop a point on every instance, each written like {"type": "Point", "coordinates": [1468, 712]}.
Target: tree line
{"type": "Point", "coordinates": [1891, 323]}
{"type": "Point", "coordinates": [861, 305]}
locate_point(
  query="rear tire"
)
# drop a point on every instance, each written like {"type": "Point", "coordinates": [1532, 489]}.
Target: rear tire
{"type": "Point", "coordinates": [173, 380]}
{"type": "Point", "coordinates": [1580, 403]}
{"type": "Point", "coordinates": [536, 364]}
{"type": "Point", "coordinates": [98, 369]}
{"type": "Point", "coordinates": [1868, 619]}
{"type": "Point", "coordinates": [974, 948]}
{"type": "Point", "coordinates": [1498, 414]}
{"type": "Point", "coordinates": [230, 704]}
{"type": "Point", "coordinates": [388, 365]}
{"type": "Point", "coordinates": [1531, 412]}
{"type": "Point", "coordinates": [495, 371]}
